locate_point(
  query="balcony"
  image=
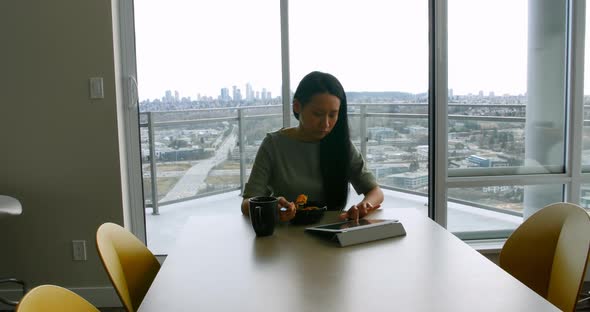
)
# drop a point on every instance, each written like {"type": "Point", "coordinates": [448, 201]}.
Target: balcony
{"type": "Point", "coordinates": [465, 221]}
{"type": "Point", "coordinates": [202, 158]}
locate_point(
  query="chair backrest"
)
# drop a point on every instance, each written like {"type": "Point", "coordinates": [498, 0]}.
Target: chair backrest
{"type": "Point", "coordinates": [548, 252]}
{"type": "Point", "coordinates": [130, 265]}
{"type": "Point", "coordinates": [50, 298]}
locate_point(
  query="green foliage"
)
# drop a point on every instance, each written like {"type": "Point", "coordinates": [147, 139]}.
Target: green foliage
{"type": "Point", "coordinates": [414, 166]}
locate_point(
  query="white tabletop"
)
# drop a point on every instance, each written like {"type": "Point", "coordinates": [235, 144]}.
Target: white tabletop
{"type": "Point", "coordinates": [219, 264]}
{"type": "Point", "coordinates": [9, 206]}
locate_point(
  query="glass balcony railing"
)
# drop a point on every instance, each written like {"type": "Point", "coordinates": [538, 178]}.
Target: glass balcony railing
{"type": "Point", "coordinates": [204, 152]}
{"type": "Point", "coordinates": [202, 158]}
{"type": "Point", "coordinates": [195, 157]}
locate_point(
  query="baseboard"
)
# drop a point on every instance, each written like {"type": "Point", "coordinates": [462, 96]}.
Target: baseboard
{"type": "Point", "coordinates": [100, 297]}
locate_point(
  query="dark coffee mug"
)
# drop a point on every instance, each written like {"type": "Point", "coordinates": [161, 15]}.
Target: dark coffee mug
{"type": "Point", "coordinates": [264, 214]}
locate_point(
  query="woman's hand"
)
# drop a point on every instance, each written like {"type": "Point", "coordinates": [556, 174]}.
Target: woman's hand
{"type": "Point", "coordinates": [286, 209]}
{"type": "Point", "coordinates": [359, 211]}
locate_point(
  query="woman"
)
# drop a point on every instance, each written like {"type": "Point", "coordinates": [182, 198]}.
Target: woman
{"type": "Point", "coordinates": [315, 158]}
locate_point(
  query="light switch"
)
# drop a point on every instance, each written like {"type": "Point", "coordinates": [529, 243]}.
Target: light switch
{"type": "Point", "coordinates": [96, 88]}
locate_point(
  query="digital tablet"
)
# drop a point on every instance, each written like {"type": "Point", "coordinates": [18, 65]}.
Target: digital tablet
{"type": "Point", "coordinates": [352, 225]}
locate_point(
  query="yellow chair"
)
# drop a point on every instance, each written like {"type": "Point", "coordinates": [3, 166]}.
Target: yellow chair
{"type": "Point", "coordinates": [50, 298]}
{"type": "Point", "coordinates": [549, 251]}
{"type": "Point", "coordinates": [130, 265]}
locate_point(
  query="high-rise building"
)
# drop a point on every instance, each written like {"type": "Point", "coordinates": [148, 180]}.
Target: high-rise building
{"type": "Point", "coordinates": [224, 94]}
{"type": "Point", "coordinates": [168, 97]}
{"type": "Point", "coordinates": [176, 96]}
{"type": "Point", "coordinates": [249, 92]}
{"type": "Point", "coordinates": [236, 93]}
{"type": "Point", "coordinates": [263, 94]}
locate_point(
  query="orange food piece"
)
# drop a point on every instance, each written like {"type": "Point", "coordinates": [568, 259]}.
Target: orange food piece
{"type": "Point", "coordinates": [310, 208]}
{"type": "Point", "coordinates": [301, 199]}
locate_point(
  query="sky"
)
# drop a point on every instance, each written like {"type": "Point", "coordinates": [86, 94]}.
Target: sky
{"type": "Point", "coordinates": [199, 47]}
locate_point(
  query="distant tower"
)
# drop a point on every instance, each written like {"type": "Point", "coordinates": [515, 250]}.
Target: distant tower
{"type": "Point", "coordinates": [263, 94]}
{"type": "Point", "coordinates": [168, 97]}
{"type": "Point", "coordinates": [176, 96]}
{"type": "Point", "coordinates": [480, 93]}
{"type": "Point", "coordinates": [249, 92]}
{"type": "Point", "coordinates": [224, 94]}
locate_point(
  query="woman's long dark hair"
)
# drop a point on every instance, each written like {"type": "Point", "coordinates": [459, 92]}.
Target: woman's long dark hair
{"type": "Point", "coordinates": [335, 147]}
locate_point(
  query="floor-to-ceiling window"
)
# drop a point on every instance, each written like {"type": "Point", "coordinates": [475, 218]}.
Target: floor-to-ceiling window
{"type": "Point", "coordinates": [207, 71]}
{"type": "Point", "coordinates": [507, 109]}
{"type": "Point", "coordinates": [379, 52]}
{"type": "Point", "coordinates": [211, 79]}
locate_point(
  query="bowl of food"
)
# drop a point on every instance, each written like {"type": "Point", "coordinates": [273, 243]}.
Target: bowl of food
{"type": "Point", "coordinates": [308, 212]}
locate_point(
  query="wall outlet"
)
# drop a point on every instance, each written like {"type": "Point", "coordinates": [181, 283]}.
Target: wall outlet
{"type": "Point", "coordinates": [79, 250]}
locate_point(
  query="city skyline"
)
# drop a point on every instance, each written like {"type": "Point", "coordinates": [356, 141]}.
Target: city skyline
{"type": "Point", "coordinates": [223, 95]}
{"type": "Point", "coordinates": [257, 94]}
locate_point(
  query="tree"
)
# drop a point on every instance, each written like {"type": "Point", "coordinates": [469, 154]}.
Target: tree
{"type": "Point", "coordinates": [414, 165]}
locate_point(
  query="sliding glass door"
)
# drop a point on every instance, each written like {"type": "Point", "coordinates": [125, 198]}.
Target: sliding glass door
{"type": "Point", "coordinates": [213, 79]}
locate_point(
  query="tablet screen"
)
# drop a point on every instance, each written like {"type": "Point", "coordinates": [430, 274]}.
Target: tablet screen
{"type": "Point", "coordinates": [350, 224]}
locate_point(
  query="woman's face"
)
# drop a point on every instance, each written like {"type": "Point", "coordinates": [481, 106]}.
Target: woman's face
{"type": "Point", "coordinates": [318, 117]}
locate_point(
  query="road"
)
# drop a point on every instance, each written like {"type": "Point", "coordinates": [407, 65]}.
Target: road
{"type": "Point", "coordinates": [193, 179]}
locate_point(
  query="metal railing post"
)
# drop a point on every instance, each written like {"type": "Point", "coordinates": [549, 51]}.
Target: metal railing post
{"type": "Point", "coordinates": [153, 173]}
{"type": "Point", "coordinates": [363, 128]}
{"type": "Point", "coordinates": [242, 150]}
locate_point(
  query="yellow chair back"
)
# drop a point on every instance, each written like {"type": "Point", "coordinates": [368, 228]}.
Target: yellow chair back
{"type": "Point", "coordinates": [50, 298]}
{"type": "Point", "coordinates": [130, 265]}
{"type": "Point", "coordinates": [549, 251]}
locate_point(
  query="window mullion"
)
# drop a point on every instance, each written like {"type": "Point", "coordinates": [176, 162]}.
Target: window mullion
{"type": "Point", "coordinates": [286, 84]}
{"type": "Point", "coordinates": [127, 86]}
{"type": "Point", "coordinates": [575, 97]}
{"type": "Point", "coordinates": [438, 93]}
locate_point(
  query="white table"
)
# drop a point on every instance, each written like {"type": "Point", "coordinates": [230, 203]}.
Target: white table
{"type": "Point", "coordinates": [9, 206]}
{"type": "Point", "coordinates": [218, 264]}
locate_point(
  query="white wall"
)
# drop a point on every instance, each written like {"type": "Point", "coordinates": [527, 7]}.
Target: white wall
{"type": "Point", "coordinates": [59, 150]}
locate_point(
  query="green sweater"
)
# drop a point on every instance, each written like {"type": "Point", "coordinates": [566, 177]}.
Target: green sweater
{"type": "Point", "coordinates": [287, 167]}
